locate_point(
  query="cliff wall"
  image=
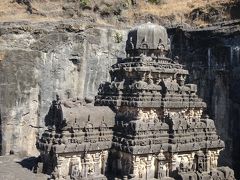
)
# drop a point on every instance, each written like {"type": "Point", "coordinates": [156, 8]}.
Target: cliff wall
{"type": "Point", "coordinates": [39, 61]}
{"type": "Point", "coordinates": [212, 55]}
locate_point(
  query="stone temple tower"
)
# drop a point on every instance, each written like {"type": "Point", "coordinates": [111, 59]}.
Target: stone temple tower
{"type": "Point", "coordinates": [147, 123]}
{"type": "Point", "coordinates": [160, 130]}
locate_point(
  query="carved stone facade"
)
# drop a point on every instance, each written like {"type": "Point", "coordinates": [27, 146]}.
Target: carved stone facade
{"type": "Point", "coordinates": [154, 127]}
{"type": "Point", "coordinates": [77, 141]}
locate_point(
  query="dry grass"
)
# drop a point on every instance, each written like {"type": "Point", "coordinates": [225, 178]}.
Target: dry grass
{"type": "Point", "coordinates": [174, 8]}
{"type": "Point", "coordinates": [12, 11]}
{"type": "Point", "coordinates": [177, 7]}
{"type": "Point", "coordinates": [7, 10]}
{"type": "Point", "coordinates": [51, 10]}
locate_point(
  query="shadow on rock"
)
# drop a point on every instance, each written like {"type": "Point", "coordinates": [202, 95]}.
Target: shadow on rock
{"type": "Point", "coordinates": [30, 163]}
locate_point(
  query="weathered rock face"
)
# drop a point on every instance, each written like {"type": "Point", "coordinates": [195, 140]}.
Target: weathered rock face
{"type": "Point", "coordinates": [37, 62]}
{"type": "Point", "coordinates": [212, 56]}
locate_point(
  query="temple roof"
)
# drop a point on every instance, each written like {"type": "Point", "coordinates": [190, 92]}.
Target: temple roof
{"type": "Point", "coordinates": [83, 116]}
{"type": "Point", "coordinates": [147, 36]}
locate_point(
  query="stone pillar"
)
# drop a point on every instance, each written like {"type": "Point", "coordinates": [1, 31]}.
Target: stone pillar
{"type": "Point", "coordinates": [97, 164]}
{"type": "Point", "coordinates": [62, 169]}
{"type": "Point", "coordinates": [161, 165]}
{"type": "Point", "coordinates": [119, 163]}
{"type": "Point", "coordinates": [174, 162]}
{"type": "Point", "coordinates": [200, 161]}
{"type": "Point", "coordinates": [88, 167]}
{"type": "Point", "coordinates": [212, 159]}
{"type": "Point", "coordinates": [217, 156]}
{"type": "Point", "coordinates": [104, 159]}
{"type": "Point", "coordinates": [142, 170]}
{"type": "Point", "coordinates": [83, 172]}
{"type": "Point", "coordinates": [208, 158]}
{"type": "Point", "coordinates": [136, 166]}
{"type": "Point", "coordinates": [191, 161]}
{"type": "Point", "coordinates": [149, 173]}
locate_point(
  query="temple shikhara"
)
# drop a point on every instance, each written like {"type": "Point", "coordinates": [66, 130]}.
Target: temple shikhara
{"type": "Point", "coordinates": [147, 123]}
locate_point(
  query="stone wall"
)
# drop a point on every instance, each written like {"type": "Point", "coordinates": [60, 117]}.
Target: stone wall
{"type": "Point", "coordinates": [38, 61]}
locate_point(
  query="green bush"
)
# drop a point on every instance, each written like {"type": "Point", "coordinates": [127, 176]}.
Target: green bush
{"type": "Point", "coordinates": [157, 1]}
{"type": "Point", "coordinates": [118, 37]}
{"type": "Point", "coordinates": [84, 3]}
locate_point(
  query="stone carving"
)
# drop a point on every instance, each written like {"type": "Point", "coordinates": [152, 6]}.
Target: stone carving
{"type": "Point", "coordinates": [75, 173]}
{"type": "Point", "coordinates": [142, 168]}
{"type": "Point", "coordinates": [153, 127]}
{"type": "Point", "coordinates": [147, 116]}
{"type": "Point", "coordinates": [89, 165]}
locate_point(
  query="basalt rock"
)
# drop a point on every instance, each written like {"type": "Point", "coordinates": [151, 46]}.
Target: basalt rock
{"type": "Point", "coordinates": [147, 123]}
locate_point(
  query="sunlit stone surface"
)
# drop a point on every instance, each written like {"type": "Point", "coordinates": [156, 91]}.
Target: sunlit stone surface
{"type": "Point", "coordinates": [147, 123]}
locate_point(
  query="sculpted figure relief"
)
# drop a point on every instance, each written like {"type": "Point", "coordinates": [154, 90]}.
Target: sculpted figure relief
{"type": "Point", "coordinates": [153, 117]}
{"type": "Point", "coordinates": [147, 116]}
{"type": "Point", "coordinates": [142, 168]}
{"type": "Point", "coordinates": [150, 78]}
{"type": "Point", "coordinates": [161, 48]}
{"type": "Point", "coordinates": [75, 174]}
{"type": "Point", "coordinates": [162, 170]}
{"type": "Point", "coordinates": [140, 115]}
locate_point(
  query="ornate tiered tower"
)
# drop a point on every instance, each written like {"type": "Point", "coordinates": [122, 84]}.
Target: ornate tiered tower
{"type": "Point", "coordinates": [147, 123]}
{"type": "Point", "coordinates": [160, 130]}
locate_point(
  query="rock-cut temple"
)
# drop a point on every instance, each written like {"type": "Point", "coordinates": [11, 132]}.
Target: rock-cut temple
{"type": "Point", "coordinates": [147, 123]}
